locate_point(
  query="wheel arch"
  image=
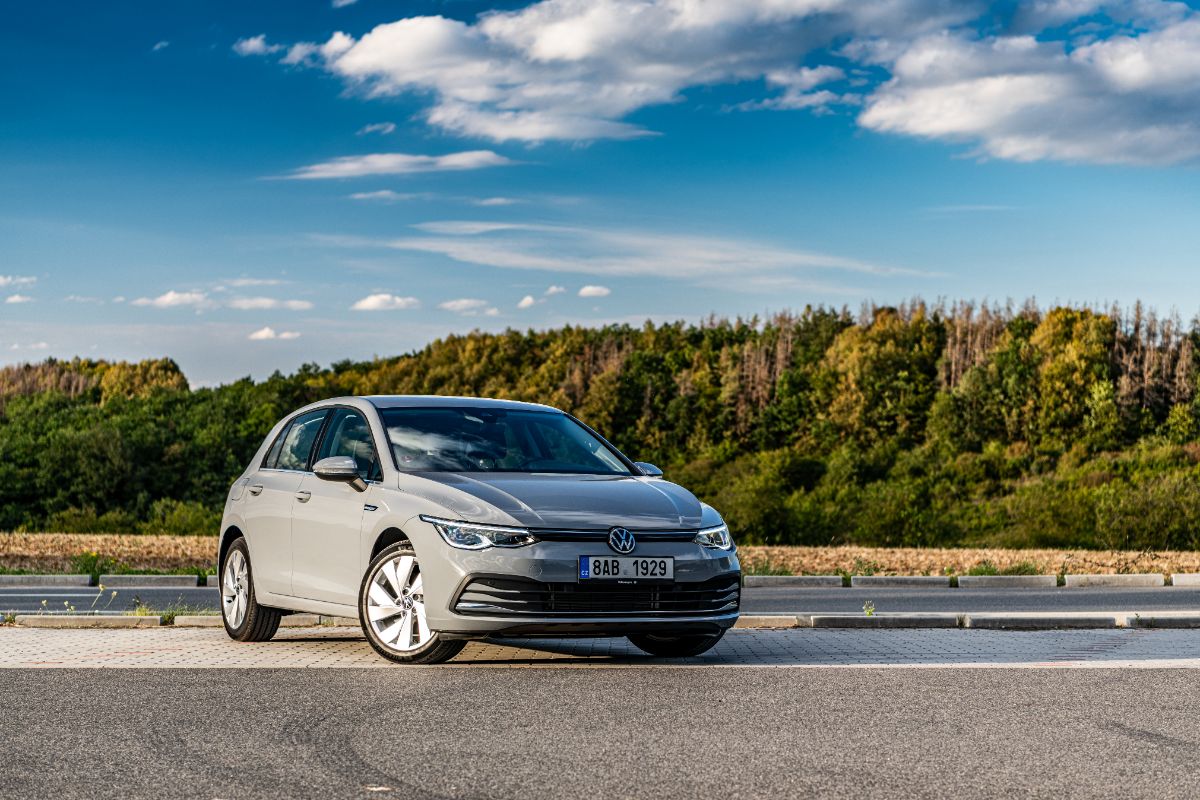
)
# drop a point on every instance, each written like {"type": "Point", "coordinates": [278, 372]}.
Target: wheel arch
{"type": "Point", "coordinates": [386, 538]}
{"type": "Point", "coordinates": [230, 535]}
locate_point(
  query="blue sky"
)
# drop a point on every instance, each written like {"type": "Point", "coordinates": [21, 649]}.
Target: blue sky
{"type": "Point", "coordinates": [246, 186]}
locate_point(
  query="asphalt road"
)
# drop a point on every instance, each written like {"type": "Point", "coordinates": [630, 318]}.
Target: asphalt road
{"type": "Point", "coordinates": [659, 732]}
{"type": "Point", "coordinates": [756, 600]}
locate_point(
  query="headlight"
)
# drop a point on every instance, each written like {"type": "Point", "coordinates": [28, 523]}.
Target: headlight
{"type": "Point", "coordinates": [717, 538]}
{"type": "Point", "coordinates": [468, 536]}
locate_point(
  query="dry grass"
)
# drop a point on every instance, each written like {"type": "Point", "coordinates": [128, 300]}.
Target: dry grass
{"type": "Point", "coordinates": [932, 561]}
{"type": "Point", "coordinates": [54, 552]}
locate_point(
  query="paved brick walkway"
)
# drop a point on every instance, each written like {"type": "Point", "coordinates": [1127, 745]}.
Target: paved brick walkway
{"type": "Point", "coordinates": [803, 648]}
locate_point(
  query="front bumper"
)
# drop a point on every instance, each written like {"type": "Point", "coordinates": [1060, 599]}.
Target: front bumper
{"type": "Point", "coordinates": [536, 591]}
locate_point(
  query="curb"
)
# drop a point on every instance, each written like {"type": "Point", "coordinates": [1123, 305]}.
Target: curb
{"type": "Point", "coordinates": [1007, 581]}
{"type": "Point", "coordinates": [767, 621]}
{"type": "Point", "coordinates": [300, 621]}
{"type": "Point", "coordinates": [199, 621]}
{"type": "Point", "coordinates": [884, 621]}
{"type": "Point", "coordinates": [1138, 579]}
{"type": "Point", "coordinates": [1042, 622]}
{"type": "Point", "coordinates": [82, 621]}
{"type": "Point", "coordinates": [1185, 579]}
{"type": "Point", "coordinates": [793, 580]}
{"type": "Point", "coordinates": [1164, 621]}
{"type": "Point", "coordinates": [212, 580]}
{"type": "Point", "coordinates": [45, 580]}
{"type": "Point", "coordinates": [148, 580]}
{"type": "Point", "coordinates": [899, 580]}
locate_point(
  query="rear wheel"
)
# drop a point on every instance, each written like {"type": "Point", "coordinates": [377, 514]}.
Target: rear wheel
{"type": "Point", "coordinates": [391, 607]}
{"type": "Point", "coordinates": [245, 619]}
{"type": "Point", "coordinates": [675, 646]}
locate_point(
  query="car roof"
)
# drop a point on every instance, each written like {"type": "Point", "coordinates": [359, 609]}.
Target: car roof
{"type": "Point", "coordinates": [438, 401]}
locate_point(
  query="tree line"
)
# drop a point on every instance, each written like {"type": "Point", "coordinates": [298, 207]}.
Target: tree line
{"type": "Point", "coordinates": [919, 424]}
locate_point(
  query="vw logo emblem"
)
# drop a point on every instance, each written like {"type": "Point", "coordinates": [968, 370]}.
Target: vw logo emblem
{"type": "Point", "coordinates": [621, 540]}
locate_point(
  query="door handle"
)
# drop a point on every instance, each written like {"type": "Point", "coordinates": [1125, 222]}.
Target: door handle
{"type": "Point", "coordinates": [256, 489]}
{"type": "Point", "coordinates": [303, 496]}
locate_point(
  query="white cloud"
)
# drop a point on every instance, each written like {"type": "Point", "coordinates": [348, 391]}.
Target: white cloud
{"type": "Point", "coordinates": [1122, 85]}
{"type": "Point", "coordinates": [386, 196]}
{"type": "Point", "coordinates": [400, 164]}
{"type": "Point", "coordinates": [594, 291]}
{"type": "Point", "coordinates": [267, 333]}
{"type": "Point", "coordinates": [16, 280]}
{"type": "Point", "coordinates": [14, 299]}
{"type": "Point", "coordinates": [495, 201]}
{"type": "Point", "coordinates": [465, 305]}
{"type": "Point", "coordinates": [383, 128]}
{"type": "Point", "coordinates": [343, 3]}
{"type": "Point", "coordinates": [163, 45]}
{"type": "Point", "coordinates": [733, 264]}
{"type": "Point", "coordinates": [78, 298]}
{"type": "Point", "coordinates": [255, 46]}
{"type": "Point", "coordinates": [574, 69]}
{"type": "Point", "coordinates": [173, 299]}
{"type": "Point", "coordinates": [527, 302]}
{"type": "Point", "coordinates": [263, 303]}
{"type": "Point", "coordinates": [244, 282]}
{"type": "Point", "coordinates": [553, 290]}
{"type": "Point", "coordinates": [386, 302]}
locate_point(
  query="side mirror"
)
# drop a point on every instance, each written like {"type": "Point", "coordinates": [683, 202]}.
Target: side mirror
{"type": "Point", "coordinates": [649, 470]}
{"type": "Point", "coordinates": [342, 469]}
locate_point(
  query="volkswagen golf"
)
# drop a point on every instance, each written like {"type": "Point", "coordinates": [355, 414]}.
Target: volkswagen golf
{"type": "Point", "coordinates": [437, 520]}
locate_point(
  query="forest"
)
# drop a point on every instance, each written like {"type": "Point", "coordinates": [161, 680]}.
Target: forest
{"type": "Point", "coordinates": [914, 425]}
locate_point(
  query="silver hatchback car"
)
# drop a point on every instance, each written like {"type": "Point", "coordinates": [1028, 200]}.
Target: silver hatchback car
{"type": "Point", "coordinates": [435, 520]}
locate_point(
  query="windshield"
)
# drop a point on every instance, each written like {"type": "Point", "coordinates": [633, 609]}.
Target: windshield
{"type": "Point", "coordinates": [495, 440]}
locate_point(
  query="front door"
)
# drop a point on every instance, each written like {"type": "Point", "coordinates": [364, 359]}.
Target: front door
{"type": "Point", "coordinates": [327, 562]}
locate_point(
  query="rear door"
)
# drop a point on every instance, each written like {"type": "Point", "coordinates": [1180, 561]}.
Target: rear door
{"type": "Point", "coordinates": [326, 521]}
{"type": "Point", "coordinates": [271, 493]}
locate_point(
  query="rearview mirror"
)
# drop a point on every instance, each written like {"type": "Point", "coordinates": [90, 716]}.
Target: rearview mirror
{"type": "Point", "coordinates": [649, 470]}
{"type": "Point", "coordinates": [340, 468]}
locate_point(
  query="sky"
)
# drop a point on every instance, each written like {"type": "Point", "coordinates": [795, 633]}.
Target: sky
{"type": "Point", "coordinates": [249, 186]}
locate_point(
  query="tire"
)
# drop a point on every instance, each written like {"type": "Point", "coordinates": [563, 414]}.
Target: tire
{"type": "Point", "coordinates": [256, 623]}
{"type": "Point", "coordinates": [675, 646]}
{"type": "Point", "coordinates": [391, 610]}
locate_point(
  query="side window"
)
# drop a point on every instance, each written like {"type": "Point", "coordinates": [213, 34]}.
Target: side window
{"type": "Point", "coordinates": [299, 440]}
{"type": "Point", "coordinates": [272, 458]}
{"type": "Point", "coordinates": [349, 434]}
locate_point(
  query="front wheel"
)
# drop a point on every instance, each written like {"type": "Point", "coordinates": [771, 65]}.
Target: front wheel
{"type": "Point", "coordinates": [675, 646]}
{"type": "Point", "coordinates": [391, 608]}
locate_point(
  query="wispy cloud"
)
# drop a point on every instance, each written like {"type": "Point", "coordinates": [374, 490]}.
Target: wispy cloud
{"type": "Point", "coordinates": [732, 264]}
{"type": "Point", "coordinates": [85, 299]}
{"type": "Point", "coordinates": [17, 280]}
{"type": "Point", "coordinates": [245, 282]}
{"type": "Point", "coordinates": [553, 290]}
{"type": "Point", "coordinates": [255, 46]}
{"type": "Point", "coordinates": [967, 209]}
{"type": "Point", "coordinates": [386, 196]}
{"type": "Point", "coordinates": [163, 45]}
{"type": "Point", "coordinates": [399, 164]}
{"type": "Point", "coordinates": [268, 333]}
{"type": "Point", "coordinates": [267, 303]}
{"type": "Point", "coordinates": [14, 299]}
{"type": "Point", "coordinates": [386, 302]}
{"type": "Point", "coordinates": [343, 3]}
{"type": "Point", "coordinates": [173, 299]}
{"type": "Point", "coordinates": [594, 291]}
{"type": "Point", "coordinates": [495, 201]}
{"type": "Point", "coordinates": [469, 307]}
{"type": "Point", "coordinates": [383, 128]}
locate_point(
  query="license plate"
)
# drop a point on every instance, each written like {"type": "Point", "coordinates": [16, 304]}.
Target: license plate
{"type": "Point", "coordinates": [626, 568]}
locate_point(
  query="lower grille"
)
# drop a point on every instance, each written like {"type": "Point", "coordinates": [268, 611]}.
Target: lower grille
{"type": "Point", "coordinates": [522, 596]}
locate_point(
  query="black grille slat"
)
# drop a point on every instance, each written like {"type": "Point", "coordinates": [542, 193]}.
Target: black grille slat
{"type": "Point", "coordinates": [492, 596]}
{"type": "Point", "coordinates": [586, 535]}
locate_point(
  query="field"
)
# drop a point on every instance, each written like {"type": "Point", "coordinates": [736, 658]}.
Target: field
{"type": "Point", "coordinates": [65, 552]}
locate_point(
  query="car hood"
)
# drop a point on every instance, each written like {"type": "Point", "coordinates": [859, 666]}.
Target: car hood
{"type": "Point", "coordinates": [580, 502]}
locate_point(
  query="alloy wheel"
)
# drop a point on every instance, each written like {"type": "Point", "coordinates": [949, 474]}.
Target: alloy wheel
{"type": "Point", "coordinates": [396, 604]}
{"type": "Point", "coordinates": [235, 589]}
